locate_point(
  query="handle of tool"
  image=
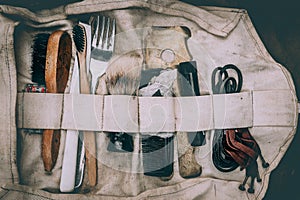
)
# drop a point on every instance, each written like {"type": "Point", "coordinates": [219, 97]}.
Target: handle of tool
{"type": "Point", "coordinates": [69, 162]}
{"type": "Point", "coordinates": [85, 87]}
{"type": "Point", "coordinates": [89, 137]}
{"type": "Point", "coordinates": [90, 156]}
{"type": "Point", "coordinates": [188, 165]}
{"type": "Point", "coordinates": [50, 148]}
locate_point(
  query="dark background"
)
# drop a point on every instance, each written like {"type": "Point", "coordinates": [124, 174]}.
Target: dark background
{"type": "Point", "coordinates": [278, 24]}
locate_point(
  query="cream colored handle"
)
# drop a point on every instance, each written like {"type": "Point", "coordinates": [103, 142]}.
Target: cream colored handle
{"type": "Point", "coordinates": [68, 172]}
{"type": "Point", "coordinates": [67, 180]}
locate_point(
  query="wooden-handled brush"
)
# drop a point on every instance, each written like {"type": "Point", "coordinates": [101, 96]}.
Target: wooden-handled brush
{"type": "Point", "coordinates": [79, 36]}
{"type": "Point", "coordinates": [58, 59]}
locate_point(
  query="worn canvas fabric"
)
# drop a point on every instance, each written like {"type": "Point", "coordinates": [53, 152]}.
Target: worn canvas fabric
{"type": "Point", "coordinates": [218, 36]}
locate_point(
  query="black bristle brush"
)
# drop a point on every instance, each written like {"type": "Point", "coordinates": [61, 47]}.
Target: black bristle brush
{"type": "Point", "coordinates": [79, 38]}
{"type": "Point", "coordinates": [39, 48]}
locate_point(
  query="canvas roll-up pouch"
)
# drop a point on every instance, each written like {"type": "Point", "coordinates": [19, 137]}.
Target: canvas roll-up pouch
{"type": "Point", "coordinates": [267, 104]}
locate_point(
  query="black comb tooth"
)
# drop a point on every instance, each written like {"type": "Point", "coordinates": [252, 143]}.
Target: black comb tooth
{"type": "Point", "coordinates": [158, 157]}
{"type": "Point", "coordinates": [39, 48]}
{"type": "Point", "coordinates": [79, 37]}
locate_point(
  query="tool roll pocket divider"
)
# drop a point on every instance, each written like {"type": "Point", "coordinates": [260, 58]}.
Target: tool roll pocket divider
{"type": "Point", "coordinates": [101, 113]}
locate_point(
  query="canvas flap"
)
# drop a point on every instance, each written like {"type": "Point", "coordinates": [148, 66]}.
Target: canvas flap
{"type": "Point", "coordinates": [218, 25]}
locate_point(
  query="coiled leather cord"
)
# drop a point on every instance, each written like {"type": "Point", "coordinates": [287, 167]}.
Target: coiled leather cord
{"type": "Point", "coordinates": [223, 83]}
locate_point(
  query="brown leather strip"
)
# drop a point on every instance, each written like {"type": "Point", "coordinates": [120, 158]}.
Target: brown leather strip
{"type": "Point", "coordinates": [231, 136]}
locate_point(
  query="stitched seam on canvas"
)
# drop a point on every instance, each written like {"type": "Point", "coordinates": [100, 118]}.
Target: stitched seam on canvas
{"type": "Point", "coordinates": [10, 98]}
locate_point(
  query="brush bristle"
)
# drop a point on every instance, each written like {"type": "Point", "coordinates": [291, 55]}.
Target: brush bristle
{"type": "Point", "coordinates": [39, 58]}
{"type": "Point", "coordinates": [123, 74]}
{"type": "Point", "coordinates": [79, 38]}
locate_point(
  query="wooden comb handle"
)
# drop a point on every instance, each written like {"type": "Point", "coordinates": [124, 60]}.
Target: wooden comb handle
{"type": "Point", "coordinates": [58, 59]}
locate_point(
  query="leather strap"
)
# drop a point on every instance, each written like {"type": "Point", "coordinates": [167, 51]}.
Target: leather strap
{"type": "Point", "coordinates": [241, 146]}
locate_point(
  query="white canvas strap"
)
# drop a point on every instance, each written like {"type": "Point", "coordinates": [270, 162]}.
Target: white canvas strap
{"type": "Point", "coordinates": [155, 114]}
